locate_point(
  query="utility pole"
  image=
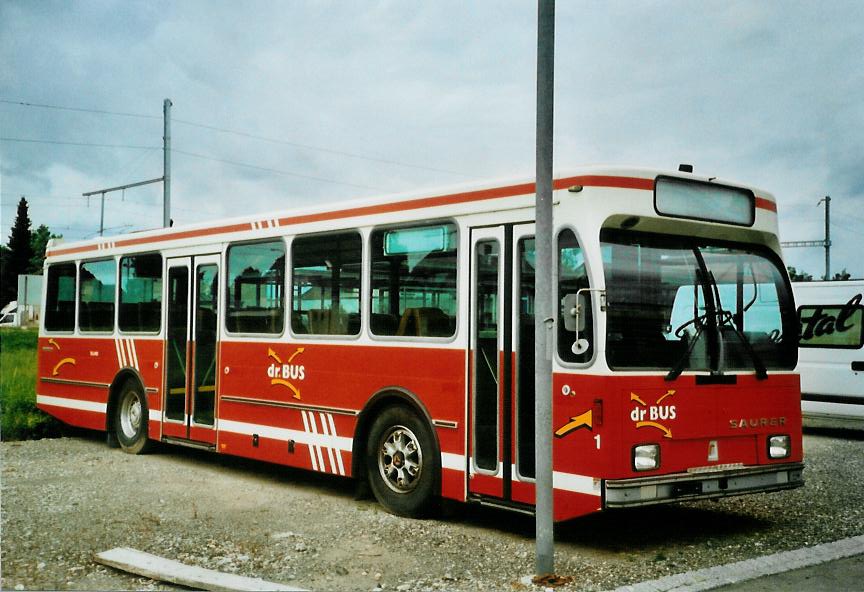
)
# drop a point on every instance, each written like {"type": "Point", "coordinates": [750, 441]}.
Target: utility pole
{"type": "Point", "coordinates": [544, 318]}
{"type": "Point", "coordinates": [827, 200]}
{"type": "Point", "coordinates": [165, 179]}
{"type": "Point", "coordinates": [823, 243]}
{"type": "Point", "coordinates": [166, 164]}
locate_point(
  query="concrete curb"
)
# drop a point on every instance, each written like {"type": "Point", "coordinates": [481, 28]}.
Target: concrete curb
{"type": "Point", "coordinates": [741, 571]}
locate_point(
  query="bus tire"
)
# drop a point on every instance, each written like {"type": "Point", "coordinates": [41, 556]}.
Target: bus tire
{"type": "Point", "coordinates": [131, 418]}
{"type": "Point", "coordinates": [402, 462]}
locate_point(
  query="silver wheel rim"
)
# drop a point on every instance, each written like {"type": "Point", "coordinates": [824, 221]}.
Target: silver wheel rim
{"type": "Point", "coordinates": [400, 459]}
{"type": "Point", "coordinates": [130, 415]}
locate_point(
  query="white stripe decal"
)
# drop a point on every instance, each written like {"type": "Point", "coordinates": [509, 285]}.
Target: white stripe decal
{"type": "Point", "coordinates": [314, 427]}
{"type": "Point", "coordinates": [454, 462]}
{"type": "Point", "coordinates": [71, 403]}
{"type": "Point", "coordinates": [117, 347]}
{"type": "Point", "coordinates": [576, 483]}
{"type": "Point", "coordinates": [123, 363]}
{"type": "Point", "coordinates": [133, 354]}
{"type": "Point", "coordinates": [311, 448]}
{"type": "Point", "coordinates": [326, 430]}
{"type": "Point", "coordinates": [285, 434]}
{"type": "Point", "coordinates": [338, 452]}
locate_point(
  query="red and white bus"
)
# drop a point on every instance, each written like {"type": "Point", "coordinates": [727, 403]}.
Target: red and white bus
{"type": "Point", "coordinates": [393, 340]}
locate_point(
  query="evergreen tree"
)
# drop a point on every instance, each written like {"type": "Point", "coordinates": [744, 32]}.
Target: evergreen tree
{"type": "Point", "coordinates": [17, 260]}
{"type": "Point", "coordinates": [38, 242]}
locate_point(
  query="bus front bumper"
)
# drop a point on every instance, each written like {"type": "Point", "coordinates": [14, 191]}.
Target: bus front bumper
{"type": "Point", "coordinates": [643, 491]}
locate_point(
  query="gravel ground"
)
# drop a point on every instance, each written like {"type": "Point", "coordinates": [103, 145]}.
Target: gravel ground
{"type": "Point", "coordinates": [64, 500]}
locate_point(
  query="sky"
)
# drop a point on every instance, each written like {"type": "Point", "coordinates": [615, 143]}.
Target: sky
{"type": "Point", "coordinates": [284, 104]}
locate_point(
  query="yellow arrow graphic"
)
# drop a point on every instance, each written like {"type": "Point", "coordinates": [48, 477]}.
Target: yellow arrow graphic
{"type": "Point", "coordinates": [284, 382]}
{"type": "Point", "coordinates": [579, 421]}
{"type": "Point", "coordinates": [54, 343]}
{"type": "Point", "coordinates": [635, 397]}
{"type": "Point", "coordinates": [272, 354]}
{"type": "Point", "coordinates": [295, 354]}
{"type": "Point", "coordinates": [62, 362]}
{"type": "Point", "coordinates": [667, 433]}
{"type": "Point", "coordinates": [669, 393]}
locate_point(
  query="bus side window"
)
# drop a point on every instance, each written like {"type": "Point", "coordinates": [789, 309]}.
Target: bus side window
{"type": "Point", "coordinates": [326, 271]}
{"type": "Point", "coordinates": [140, 293]}
{"type": "Point", "coordinates": [60, 298]}
{"type": "Point", "coordinates": [255, 291]}
{"type": "Point", "coordinates": [572, 276]}
{"type": "Point", "coordinates": [414, 281]}
{"type": "Point", "coordinates": [96, 283]}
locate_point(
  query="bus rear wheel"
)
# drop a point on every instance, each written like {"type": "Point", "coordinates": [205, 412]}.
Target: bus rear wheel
{"type": "Point", "coordinates": [401, 461]}
{"type": "Point", "coordinates": [131, 419]}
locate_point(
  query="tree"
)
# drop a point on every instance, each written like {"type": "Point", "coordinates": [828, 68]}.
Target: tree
{"type": "Point", "coordinates": [20, 251]}
{"type": "Point", "coordinates": [8, 282]}
{"type": "Point", "coordinates": [38, 242]}
{"type": "Point", "coordinates": [795, 276]}
{"type": "Point", "coordinates": [842, 275]}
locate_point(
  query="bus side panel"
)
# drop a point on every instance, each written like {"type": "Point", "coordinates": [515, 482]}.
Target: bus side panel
{"type": "Point", "coordinates": [74, 376]}
{"type": "Point", "coordinates": [312, 393]}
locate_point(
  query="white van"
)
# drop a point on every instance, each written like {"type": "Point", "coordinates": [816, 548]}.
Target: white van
{"type": "Point", "coordinates": [9, 315]}
{"type": "Point", "coordinates": [831, 352]}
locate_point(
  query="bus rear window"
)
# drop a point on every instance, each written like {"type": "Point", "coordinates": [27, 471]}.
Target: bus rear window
{"type": "Point", "coordinates": [60, 298]}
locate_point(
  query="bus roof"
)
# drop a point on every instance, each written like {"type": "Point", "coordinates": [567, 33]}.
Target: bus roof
{"type": "Point", "coordinates": [597, 176]}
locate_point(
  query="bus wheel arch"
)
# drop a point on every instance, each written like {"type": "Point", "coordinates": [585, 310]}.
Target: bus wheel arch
{"type": "Point", "coordinates": [127, 413]}
{"type": "Point", "coordinates": [403, 410]}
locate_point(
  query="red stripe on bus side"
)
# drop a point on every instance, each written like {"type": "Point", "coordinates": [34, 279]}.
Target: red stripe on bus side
{"type": "Point", "coordinates": [766, 204]}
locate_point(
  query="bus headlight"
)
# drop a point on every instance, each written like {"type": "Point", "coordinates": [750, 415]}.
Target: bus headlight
{"type": "Point", "coordinates": [646, 457]}
{"type": "Point", "coordinates": [778, 446]}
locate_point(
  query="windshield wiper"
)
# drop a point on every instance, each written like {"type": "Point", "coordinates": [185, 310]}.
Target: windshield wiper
{"type": "Point", "coordinates": [698, 321]}
{"type": "Point", "coordinates": [724, 319]}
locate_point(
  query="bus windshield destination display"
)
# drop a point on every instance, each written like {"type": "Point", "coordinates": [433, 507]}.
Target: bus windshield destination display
{"type": "Point", "coordinates": [684, 198]}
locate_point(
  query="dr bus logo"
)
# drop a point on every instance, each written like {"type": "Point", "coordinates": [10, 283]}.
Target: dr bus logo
{"type": "Point", "coordinates": [650, 416]}
{"type": "Point", "coordinates": [282, 374]}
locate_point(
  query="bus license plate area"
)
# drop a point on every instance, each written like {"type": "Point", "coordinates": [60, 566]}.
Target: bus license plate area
{"type": "Point", "coordinates": [654, 490]}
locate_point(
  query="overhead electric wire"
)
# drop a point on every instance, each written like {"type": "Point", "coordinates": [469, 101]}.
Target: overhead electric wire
{"type": "Point", "coordinates": [79, 109]}
{"type": "Point", "coordinates": [238, 133]}
{"type": "Point", "coordinates": [269, 170]}
{"type": "Point", "coordinates": [91, 144]}
{"type": "Point", "coordinates": [317, 148]}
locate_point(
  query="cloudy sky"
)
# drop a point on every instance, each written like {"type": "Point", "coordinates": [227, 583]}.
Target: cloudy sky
{"type": "Point", "coordinates": [278, 104]}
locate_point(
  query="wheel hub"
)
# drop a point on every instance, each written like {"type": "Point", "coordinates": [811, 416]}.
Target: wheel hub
{"type": "Point", "coordinates": [400, 459]}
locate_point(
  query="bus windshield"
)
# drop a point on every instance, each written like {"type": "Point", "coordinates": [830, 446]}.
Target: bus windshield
{"type": "Point", "coordinates": [680, 303]}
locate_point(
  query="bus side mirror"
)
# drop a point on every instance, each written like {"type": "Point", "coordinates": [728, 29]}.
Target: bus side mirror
{"type": "Point", "coordinates": [574, 311]}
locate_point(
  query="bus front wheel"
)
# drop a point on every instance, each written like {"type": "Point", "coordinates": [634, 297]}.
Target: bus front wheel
{"type": "Point", "coordinates": [131, 418]}
{"type": "Point", "coordinates": [400, 458]}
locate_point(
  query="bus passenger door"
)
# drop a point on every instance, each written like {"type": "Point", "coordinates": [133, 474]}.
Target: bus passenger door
{"type": "Point", "coordinates": [501, 310]}
{"type": "Point", "coordinates": [191, 349]}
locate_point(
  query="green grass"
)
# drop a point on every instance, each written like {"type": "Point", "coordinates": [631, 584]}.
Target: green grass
{"type": "Point", "coordinates": [20, 418]}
